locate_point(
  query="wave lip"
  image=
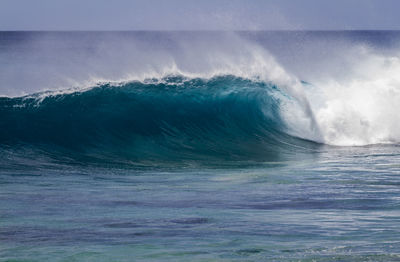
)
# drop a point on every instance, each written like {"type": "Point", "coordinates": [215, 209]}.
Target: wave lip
{"type": "Point", "coordinates": [176, 119]}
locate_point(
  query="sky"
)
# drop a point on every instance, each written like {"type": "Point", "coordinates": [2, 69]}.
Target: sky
{"type": "Point", "coordinates": [199, 15]}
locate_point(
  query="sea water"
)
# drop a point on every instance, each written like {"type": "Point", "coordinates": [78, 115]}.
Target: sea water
{"type": "Point", "coordinates": [202, 146]}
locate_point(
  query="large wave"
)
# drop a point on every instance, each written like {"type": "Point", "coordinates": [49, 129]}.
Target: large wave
{"type": "Point", "coordinates": [198, 95]}
{"type": "Point", "coordinates": [169, 119]}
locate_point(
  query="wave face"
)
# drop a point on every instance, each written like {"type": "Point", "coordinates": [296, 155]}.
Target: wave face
{"type": "Point", "coordinates": [172, 119]}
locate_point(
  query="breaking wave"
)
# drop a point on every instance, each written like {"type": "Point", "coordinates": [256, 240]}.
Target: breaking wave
{"type": "Point", "coordinates": [196, 96]}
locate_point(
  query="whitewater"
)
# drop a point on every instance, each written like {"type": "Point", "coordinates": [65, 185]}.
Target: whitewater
{"type": "Point", "coordinates": [275, 146]}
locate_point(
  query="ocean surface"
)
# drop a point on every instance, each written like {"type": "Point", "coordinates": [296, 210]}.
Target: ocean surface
{"type": "Point", "coordinates": [200, 146]}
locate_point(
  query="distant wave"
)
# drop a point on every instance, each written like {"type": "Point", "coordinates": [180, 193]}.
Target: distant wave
{"type": "Point", "coordinates": [169, 119]}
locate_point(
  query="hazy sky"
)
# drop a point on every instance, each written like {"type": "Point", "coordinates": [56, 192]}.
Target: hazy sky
{"type": "Point", "coordinates": [198, 14]}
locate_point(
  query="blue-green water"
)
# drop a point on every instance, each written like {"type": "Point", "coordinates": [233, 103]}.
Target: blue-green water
{"type": "Point", "coordinates": [341, 205]}
{"type": "Point", "coordinates": [222, 154]}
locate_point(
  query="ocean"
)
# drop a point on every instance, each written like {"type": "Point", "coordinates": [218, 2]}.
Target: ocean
{"type": "Point", "coordinates": [200, 146]}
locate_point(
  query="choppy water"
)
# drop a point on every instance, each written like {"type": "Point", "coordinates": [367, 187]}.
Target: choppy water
{"type": "Point", "coordinates": [342, 204]}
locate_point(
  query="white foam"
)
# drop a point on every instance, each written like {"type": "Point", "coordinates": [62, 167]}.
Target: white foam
{"type": "Point", "coordinates": [362, 107]}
